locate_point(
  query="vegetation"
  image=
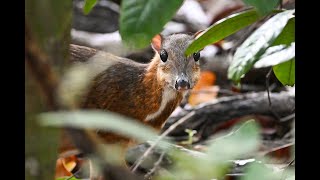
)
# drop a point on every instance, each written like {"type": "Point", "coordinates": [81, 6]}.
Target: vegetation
{"type": "Point", "coordinates": [272, 44]}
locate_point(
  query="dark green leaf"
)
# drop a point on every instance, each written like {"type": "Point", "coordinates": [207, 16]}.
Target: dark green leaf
{"type": "Point", "coordinates": [89, 4]}
{"type": "Point", "coordinates": [99, 120]}
{"type": "Point", "coordinates": [287, 36]}
{"type": "Point", "coordinates": [222, 29]}
{"type": "Point", "coordinates": [263, 6]}
{"type": "Point", "coordinates": [140, 20]}
{"type": "Point", "coordinates": [256, 44]}
{"type": "Point", "coordinates": [275, 55]}
{"type": "Point", "coordinates": [285, 72]}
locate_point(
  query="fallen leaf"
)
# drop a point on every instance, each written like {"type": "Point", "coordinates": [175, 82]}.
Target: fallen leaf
{"type": "Point", "coordinates": [61, 171]}
{"type": "Point", "coordinates": [204, 90]}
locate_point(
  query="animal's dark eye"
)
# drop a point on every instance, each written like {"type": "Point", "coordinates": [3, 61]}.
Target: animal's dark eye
{"type": "Point", "coordinates": [196, 56]}
{"type": "Point", "coordinates": [163, 55]}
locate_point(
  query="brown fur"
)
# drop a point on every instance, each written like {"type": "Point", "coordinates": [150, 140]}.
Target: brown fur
{"type": "Point", "coordinates": [120, 96]}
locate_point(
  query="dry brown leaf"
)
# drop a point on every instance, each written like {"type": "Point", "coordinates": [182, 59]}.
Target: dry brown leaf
{"type": "Point", "coordinates": [204, 90]}
{"type": "Point", "coordinates": [61, 171]}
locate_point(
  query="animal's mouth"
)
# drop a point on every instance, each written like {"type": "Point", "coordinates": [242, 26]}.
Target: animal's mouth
{"type": "Point", "coordinates": [182, 89]}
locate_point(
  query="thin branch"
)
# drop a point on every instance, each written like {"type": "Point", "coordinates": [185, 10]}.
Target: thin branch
{"type": "Point", "coordinates": [171, 128]}
{"type": "Point", "coordinates": [267, 84]}
{"type": "Point", "coordinates": [268, 91]}
{"type": "Point", "coordinates": [155, 167]}
{"type": "Point", "coordinates": [287, 166]}
{"type": "Point", "coordinates": [291, 162]}
{"type": "Point", "coordinates": [289, 117]}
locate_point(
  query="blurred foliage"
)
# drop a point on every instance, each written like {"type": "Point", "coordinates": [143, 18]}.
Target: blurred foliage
{"type": "Point", "coordinates": [140, 20]}
{"type": "Point", "coordinates": [89, 4]}
{"type": "Point", "coordinates": [91, 119]}
{"type": "Point", "coordinates": [217, 160]}
{"type": "Point", "coordinates": [263, 6]}
{"type": "Point", "coordinates": [48, 23]}
{"type": "Point", "coordinates": [240, 142]}
{"type": "Point", "coordinates": [40, 142]}
{"type": "Point", "coordinates": [67, 178]}
{"type": "Point", "coordinates": [259, 169]}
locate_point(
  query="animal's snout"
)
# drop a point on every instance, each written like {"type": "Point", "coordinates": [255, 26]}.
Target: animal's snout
{"type": "Point", "coordinates": [182, 83]}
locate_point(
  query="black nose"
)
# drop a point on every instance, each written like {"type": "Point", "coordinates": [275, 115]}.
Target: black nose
{"type": "Point", "coordinates": [182, 84]}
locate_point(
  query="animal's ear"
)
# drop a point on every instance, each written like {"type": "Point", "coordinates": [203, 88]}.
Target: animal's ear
{"type": "Point", "coordinates": [198, 34]}
{"type": "Point", "coordinates": [156, 42]}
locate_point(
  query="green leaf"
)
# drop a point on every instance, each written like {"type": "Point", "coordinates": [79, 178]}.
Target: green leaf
{"type": "Point", "coordinates": [287, 36]}
{"type": "Point", "coordinates": [89, 4]}
{"type": "Point", "coordinates": [263, 6]}
{"type": "Point", "coordinates": [236, 144]}
{"type": "Point", "coordinates": [67, 178]}
{"type": "Point", "coordinates": [140, 20]}
{"type": "Point", "coordinates": [285, 72]}
{"type": "Point", "coordinates": [256, 44]}
{"type": "Point", "coordinates": [256, 169]}
{"type": "Point", "coordinates": [264, 172]}
{"type": "Point", "coordinates": [275, 55]}
{"type": "Point", "coordinates": [99, 120]}
{"type": "Point", "coordinates": [222, 29]}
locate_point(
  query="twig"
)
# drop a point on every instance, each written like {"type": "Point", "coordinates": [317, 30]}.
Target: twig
{"type": "Point", "coordinates": [155, 167]}
{"type": "Point", "coordinates": [171, 128]}
{"type": "Point", "coordinates": [284, 119]}
{"type": "Point", "coordinates": [267, 84]}
{"type": "Point", "coordinates": [290, 163]}
{"type": "Point", "coordinates": [268, 91]}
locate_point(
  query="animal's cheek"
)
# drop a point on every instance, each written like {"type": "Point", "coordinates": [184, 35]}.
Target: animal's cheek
{"type": "Point", "coordinates": [165, 75]}
{"type": "Point", "coordinates": [196, 76]}
{"type": "Point", "coordinates": [196, 72]}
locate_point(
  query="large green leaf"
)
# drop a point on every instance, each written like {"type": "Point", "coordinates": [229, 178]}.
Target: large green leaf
{"type": "Point", "coordinates": [99, 120]}
{"type": "Point", "coordinates": [89, 4]}
{"type": "Point", "coordinates": [222, 29]}
{"type": "Point", "coordinates": [263, 6]}
{"type": "Point", "coordinates": [140, 20]}
{"type": "Point", "coordinates": [253, 47]}
{"type": "Point", "coordinates": [275, 55]}
{"type": "Point", "coordinates": [287, 36]}
{"type": "Point", "coordinates": [285, 72]}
